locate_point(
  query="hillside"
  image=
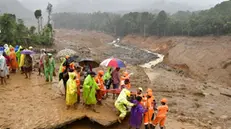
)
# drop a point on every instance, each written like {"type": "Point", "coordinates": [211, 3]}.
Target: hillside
{"type": "Point", "coordinates": [15, 7]}
{"type": "Point", "coordinates": [124, 6]}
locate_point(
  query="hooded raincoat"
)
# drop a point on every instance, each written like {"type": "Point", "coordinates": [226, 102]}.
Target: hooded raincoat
{"type": "Point", "coordinates": [136, 115]}
{"type": "Point", "coordinates": [49, 67]}
{"type": "Point", "coordinates": [122, 101]}
{"type": "Point", "coordinates": [3, 66]}
{"type": "Point", "coordinates": [13, 60]}
{"type": "Point", "coordinates": [18, 54]}
{"type": "Point", "coordinates": [71, 91]}
{"type": "Point", "coordinates": [89, 90]}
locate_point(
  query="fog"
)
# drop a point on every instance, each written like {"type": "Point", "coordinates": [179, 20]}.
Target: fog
{"type": "Point", "coordinates": [120, 5]}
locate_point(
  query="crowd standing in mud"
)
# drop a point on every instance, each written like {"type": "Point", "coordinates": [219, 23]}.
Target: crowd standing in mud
{"type": "Point", "coordinates": [95, 87]}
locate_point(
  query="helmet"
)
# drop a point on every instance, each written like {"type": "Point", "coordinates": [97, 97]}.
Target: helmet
{"type": "Point", "coordinates": [149, 90]}
{"type": "Point", "coordinates": [125, 74]}
{"type": "Point", "coordinates": [164, 100]}
{"type": "Point", "coordinates": [149, 93]}
{"type": "Point", "coordinates": [128, 93]}
{"type": "Point", "coordinates": [101, 72]}
{"type": "Point", "coordinates": [30, 48]}
{"type": "Point", "coordinates": [140, 88]}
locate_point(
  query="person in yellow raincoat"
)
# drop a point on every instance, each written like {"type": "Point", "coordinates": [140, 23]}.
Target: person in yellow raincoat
{"type": "Point", "coordinates": [89, 90]}
{"type": "Point", "coordinates": [22, 59]}
{"type": "Point", "coordinates": [71, 91]}
{"type": "Point", "coordinates": [122, 102]}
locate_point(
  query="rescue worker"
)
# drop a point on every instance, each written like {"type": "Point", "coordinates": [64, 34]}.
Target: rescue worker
{"type": "Point", "coordinates": [78, 81]}
{"type": "Point", "coordinates": [161, 114]}
{"type": "Point", "coordinates": [101, 92]}
{"type": "Point", "coordinates": [3, 69]}
{"type": "Point", "coordinates": [125, 76]}
{"type": "Point", "coordinates": [89, 89]}
{"type": "Point", "coordinates": [148, 103]}
{"type": "Point", "coordinates": [49, 67]}
{"type": "Point", "coordinates": [13, 60]}
{"type": "Point", "coordinates": [71, 92]}
{"type": "Point", "coordinates": [108, 79]}
{"type": "Point", "coordinates": [139, 92]}
{"type": "Point", "coordinates": [122, 102]}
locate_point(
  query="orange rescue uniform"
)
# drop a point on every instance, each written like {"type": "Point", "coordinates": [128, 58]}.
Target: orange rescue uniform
{"type": "Point", "coordinates": [123, 78]}
{"type": "Point", "coordinates": [148, 103]}
{"type": "Point", "coordinates": [161, 116]}
{"type": "Point", "coordinates": [99, 80]}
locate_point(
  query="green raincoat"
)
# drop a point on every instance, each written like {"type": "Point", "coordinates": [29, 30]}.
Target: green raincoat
{"type": "Point", "coordinates": [61, 65]}
{"type": "Point", "coordinates": [89, 93]}
{"type": "Point", "coordinates": [49, 67]}
{"type": "Point", "coordinates": [122, 101]}
{"type": "Point", "coordinates": [107, 75]}
{"type": "Point", "coordinates": [18, 54]}
{"type": "Point", "coordinates": [71, 91]}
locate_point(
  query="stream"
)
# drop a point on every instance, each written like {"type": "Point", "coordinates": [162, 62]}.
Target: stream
{"type": "Point", "coordinates": [149, 63]}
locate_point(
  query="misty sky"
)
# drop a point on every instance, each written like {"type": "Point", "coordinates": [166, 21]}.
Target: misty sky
{"type": "Point", "coordinates": [42, 3]}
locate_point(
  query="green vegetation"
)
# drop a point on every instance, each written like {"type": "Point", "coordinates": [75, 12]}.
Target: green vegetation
{"type": "Point", "coordinates": [215, 21]}
{"type": "Point", "coordinates": [13, 31]}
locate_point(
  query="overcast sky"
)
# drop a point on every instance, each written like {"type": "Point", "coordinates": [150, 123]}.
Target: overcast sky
{"type": "Point", "coordinates": [43, 3]}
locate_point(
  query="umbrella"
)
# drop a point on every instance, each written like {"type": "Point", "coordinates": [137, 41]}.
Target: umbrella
{"type": "Point", "coordinates": [113, 62]}
{"type": "Point", "coordinates": [65, 52]}
{"type": "Point", "coordinates": [90, 62]}
{"type": "Point", "coordinates": [27, 52]}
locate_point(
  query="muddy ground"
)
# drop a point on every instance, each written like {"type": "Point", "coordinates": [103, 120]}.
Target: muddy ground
{"type": "Point", "coordinates": [195, 103]}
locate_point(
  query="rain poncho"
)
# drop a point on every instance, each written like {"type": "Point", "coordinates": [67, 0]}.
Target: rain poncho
{"type": "Point", "coordinates": [49, 67]}
{"type": "Point", "coordinates": [18, 54]}
{"type": "Point", "coordinates": [122, 101]}
{"type": "Point", "coordinates": [6, 49]}
{"type": "Point", "coordinates": [61, 65]}
{"type": "Point", "coordinates": [22, 59]}
{"type": "Point", "coordinates": [89, 90]}
{"type": "Point", "coordinates": [3, 66]}
{"type": "Point", "coordinates": [71, 91]}
{"type": "Point", "coordinates": [13, 60]}
{"type": "Point", "coordinates": [136, 115]}
{"type": "Point", "coordinates": [107, 75]}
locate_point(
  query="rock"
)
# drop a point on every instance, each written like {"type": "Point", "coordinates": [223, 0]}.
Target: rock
{"type": "Point", "coordinates": [218, 127]}
{"type": "Point", "coordinates": [210, 122]}
{"type": "Point", "coordinates": [224, 117]}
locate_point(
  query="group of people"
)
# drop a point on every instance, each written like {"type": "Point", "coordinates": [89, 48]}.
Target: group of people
{"type": "Point", "coordinates": [97, 86]}
{"type": "Point", "coordinates": [12, 60]}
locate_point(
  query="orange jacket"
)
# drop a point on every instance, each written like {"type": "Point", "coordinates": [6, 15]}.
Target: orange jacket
{"type": "Point", "coordinates": [100, 82]}
{"type": "Point", "coordinates": [162, 111]}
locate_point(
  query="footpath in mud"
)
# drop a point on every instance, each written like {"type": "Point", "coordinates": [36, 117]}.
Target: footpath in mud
{"type": "Point", "coordinates": [37, 104]}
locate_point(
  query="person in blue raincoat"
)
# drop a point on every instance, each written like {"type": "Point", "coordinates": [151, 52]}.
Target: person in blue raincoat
{"type": "Point", "coordinates": [136, 114]}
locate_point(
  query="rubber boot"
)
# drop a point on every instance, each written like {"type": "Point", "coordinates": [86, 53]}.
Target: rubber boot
{"type": "Point", "coordinates": [151, 126]}
{"type": "Point", "coordinates": [161, 127]}
{"type": "Point", "coordinates": [146, 127]}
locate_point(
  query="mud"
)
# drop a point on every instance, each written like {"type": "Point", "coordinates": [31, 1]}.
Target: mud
{"type": "Point", "coordinates": [37, 104]}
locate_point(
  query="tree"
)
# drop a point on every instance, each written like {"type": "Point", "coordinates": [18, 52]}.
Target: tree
{"type": "Point", "coordinates": [49, 11]}
{"type": "Point", "coordinates": [38, 15]}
